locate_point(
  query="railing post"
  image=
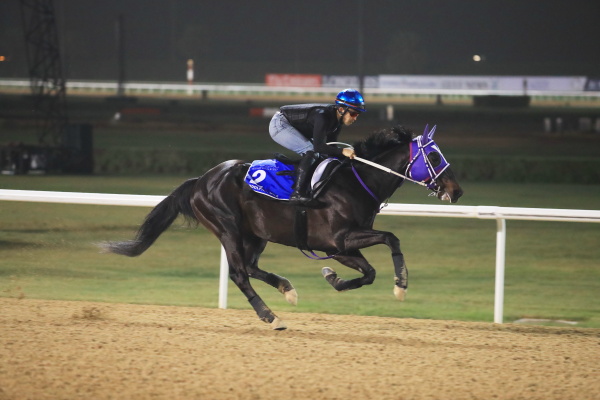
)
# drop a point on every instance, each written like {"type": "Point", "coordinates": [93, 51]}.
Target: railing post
{"type": "Point", "coordinates": [500, 262]}
{"type": "Point", "coordinates": [223, 279]}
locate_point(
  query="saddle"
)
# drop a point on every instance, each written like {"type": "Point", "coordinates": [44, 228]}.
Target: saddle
{"type": "Point", "coordinates": [276, 177]}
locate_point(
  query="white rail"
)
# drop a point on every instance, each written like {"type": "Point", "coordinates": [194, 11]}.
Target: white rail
{"type": "Point", "coordinates": [160, 88]}
{"type": "Point", "coordinates": [500, 214]}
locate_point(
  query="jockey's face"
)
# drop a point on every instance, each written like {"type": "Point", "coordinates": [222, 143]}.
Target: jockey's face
{"type": "Point", "coordinates": [348, 117]}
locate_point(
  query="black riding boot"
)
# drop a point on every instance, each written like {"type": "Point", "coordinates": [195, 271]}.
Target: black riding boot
{"type": "Point", "coordinates": [300, 195]}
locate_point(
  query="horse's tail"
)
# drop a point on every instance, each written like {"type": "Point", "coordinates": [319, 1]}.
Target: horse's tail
{"type": "Point", "coordinates": [158, 221]}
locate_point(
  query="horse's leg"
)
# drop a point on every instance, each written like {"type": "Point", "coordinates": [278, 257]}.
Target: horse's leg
{"type": "Point", "coordinates": [253, 248]}
{"type": "Point", "coordinates": [355, 260]}
{"type": "Point", "coordinates": [217, 204]}
{"type": "Point", "coordinates": [239, 275]}
{"type": "Point", "coordinates": [278, 282]}
{"type": "Point", "coordinates": [367, 238]}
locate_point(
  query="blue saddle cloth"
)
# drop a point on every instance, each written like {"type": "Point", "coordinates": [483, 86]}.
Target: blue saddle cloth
{"type": "Point", "coordinates": [262, 178]}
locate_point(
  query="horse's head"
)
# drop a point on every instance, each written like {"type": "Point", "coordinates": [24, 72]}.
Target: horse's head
{"type": "Point", "coordinates": [428, 165]}
{"type": "Point", "coordinates": [424, 164]}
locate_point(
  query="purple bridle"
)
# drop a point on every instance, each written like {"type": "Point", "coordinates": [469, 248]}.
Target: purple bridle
{"type": "Point", "coordinates": [419, 168]}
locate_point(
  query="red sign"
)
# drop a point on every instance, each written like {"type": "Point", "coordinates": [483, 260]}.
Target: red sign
{"type": "Point", "coordinates": [298, 80]}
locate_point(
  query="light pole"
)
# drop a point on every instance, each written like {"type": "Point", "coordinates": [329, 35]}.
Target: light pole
{"type": "Point", "coordinates": [360, 44]}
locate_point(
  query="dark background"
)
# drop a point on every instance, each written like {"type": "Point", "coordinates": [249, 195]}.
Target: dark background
{"type": "Point", "coordinates": [241, 41]}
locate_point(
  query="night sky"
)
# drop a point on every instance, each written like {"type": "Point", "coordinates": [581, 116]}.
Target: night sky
{"type": "Point", "coordinates": [243, 40]}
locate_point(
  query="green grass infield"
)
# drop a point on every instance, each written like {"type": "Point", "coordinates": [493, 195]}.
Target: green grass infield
{"type": "Point", "coordinates": [48, 251]}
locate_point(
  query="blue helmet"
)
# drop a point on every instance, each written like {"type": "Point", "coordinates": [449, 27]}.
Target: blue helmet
{"type": "Point", "coordinates": [351, 98]}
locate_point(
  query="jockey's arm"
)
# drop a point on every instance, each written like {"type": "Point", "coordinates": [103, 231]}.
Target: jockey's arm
{"type": "Point", "coordinates": [320, 131]}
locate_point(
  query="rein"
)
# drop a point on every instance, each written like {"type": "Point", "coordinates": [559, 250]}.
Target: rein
{"type": "Point", "coordinates": [364, 185]}
{"type": "Point", "coordinates": [390, 171]}
{"type": "Point", "coordinates": [432, 175]}
{"type": "Point", "coordinates": [379, 166]}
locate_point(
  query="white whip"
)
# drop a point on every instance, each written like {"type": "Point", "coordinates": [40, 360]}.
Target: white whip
{"type": "Point", "coordinates": [378, 166]}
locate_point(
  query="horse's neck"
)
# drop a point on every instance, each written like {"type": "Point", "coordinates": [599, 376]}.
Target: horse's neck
{"type": "Point", "coordinates": [385, 184]}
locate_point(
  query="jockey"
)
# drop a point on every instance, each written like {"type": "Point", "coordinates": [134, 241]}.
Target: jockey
{"type": "Point", "coordinates": [306, 129]}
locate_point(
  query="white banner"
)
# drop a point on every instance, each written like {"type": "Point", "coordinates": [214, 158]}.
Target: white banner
{"type": "Point", "coordinates": [566, 84]}
{"type": "Point", "coordinates": [350, 81]}
{"type": "Point", "coordinates": [592, 84]}
{"type": "Point", "coordinates": [483, 83]}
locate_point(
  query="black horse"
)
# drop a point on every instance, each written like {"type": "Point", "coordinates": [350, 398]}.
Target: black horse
{"type": "Point", "coordinates": [245, 221]}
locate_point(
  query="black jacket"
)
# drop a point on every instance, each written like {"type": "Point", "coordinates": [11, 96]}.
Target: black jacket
{"type": "Point", "coordinates": [317, 122]}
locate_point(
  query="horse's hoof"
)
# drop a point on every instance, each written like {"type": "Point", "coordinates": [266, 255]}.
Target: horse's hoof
{"type": "Point", "coordinates": [291, 296]}
{"type": "Point", "coordinates": [278, 325]}
{"type": "Point", "coordinates": [326, 271]}
{"type": "Point", "coordinates": [400, 293]}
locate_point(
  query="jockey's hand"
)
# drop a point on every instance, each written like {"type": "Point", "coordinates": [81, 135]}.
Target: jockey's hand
{"type": "Point", "coordinates": [348, 152]}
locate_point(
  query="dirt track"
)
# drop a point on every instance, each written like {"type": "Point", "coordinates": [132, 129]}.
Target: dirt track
{"type": "Point", "coordinates": [81, 350]}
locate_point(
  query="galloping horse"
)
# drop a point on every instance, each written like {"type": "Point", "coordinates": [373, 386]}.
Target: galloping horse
{"type": "Point", "coordinates": [245, 221]}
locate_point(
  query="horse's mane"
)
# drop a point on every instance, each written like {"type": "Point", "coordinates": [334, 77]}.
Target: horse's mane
{"type": "Point", "coordinates": [383, 140]}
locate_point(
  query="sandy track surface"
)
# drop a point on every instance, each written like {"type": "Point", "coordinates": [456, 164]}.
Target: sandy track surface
{"type": "Point", "coordinates": [82, 350]}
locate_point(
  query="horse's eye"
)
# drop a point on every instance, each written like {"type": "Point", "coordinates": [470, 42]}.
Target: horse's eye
{"type": "Point", "coordinates": [434, 158]}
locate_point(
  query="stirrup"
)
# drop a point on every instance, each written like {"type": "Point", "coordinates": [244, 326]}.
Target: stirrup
{"type": "Point", "coordinates": [299, 200]}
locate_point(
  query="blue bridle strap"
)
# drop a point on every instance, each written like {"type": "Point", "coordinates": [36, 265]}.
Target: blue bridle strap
{"type": "Point", "coordinates": [314, 256]}
{"type": "Point", "coordinates": [364, 185]}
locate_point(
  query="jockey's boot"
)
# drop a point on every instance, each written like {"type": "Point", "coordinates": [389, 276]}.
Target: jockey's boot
{"type": "Point", "coordinates": [300, 195]}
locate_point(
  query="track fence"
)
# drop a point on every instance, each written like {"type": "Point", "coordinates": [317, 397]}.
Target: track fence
{"type": "Point", "coordinates": [500, 214]}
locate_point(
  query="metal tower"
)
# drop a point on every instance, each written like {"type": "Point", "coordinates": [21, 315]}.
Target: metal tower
{"type": "Point", "coordinates": [45, 70]}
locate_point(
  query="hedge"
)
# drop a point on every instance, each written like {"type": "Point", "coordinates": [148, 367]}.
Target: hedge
{"type": "Point", "coordinates": [471, 168]}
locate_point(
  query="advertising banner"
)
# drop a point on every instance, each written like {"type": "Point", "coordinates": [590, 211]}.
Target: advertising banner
{"type": "Point", "coordinates": [349, 81]}
{"type": "Point", "coordinates": [592, 85]}
{"type": "Point", "coordinates": [293, 80]}
{"type": "Point", "coordinates": [556, 83]}
{"type": "Point", "coordinates": [483, 83]}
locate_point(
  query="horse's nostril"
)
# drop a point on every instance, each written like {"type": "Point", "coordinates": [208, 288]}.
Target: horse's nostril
{"type": "Point", "coordinates": [457, 195]}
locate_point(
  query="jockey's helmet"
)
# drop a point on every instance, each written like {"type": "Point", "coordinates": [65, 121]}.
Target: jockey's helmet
{"type": "Point", "coordinates": [351, 98]}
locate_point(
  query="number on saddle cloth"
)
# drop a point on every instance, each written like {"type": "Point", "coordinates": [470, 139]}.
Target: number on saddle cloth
{"type": "Point", "coordinates": [272, 178]}
{"type": "Point", "coordinates": [276, 179]}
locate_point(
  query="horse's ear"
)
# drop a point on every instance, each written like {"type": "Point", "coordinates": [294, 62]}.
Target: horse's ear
{"type": "Point", "coordinates": [429, 135]}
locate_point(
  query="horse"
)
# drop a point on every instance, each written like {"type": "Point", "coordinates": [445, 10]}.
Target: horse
{"type": "Point", "coordinates": [245, 221]}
